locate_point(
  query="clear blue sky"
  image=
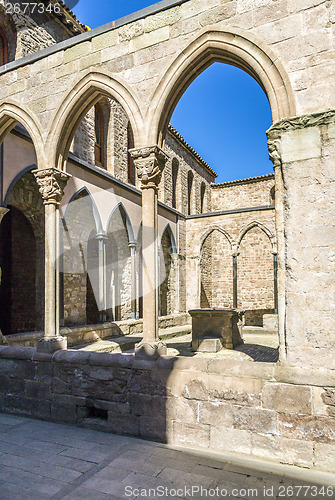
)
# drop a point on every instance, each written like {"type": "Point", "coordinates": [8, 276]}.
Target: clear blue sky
{"type": "Point", "coordinates": [224, 113]}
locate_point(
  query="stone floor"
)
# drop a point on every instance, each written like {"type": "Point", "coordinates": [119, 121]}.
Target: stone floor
{"type": "Point", "coordinates": [43, 460]}
{"type": "Point", "coordinates": [257, 347]}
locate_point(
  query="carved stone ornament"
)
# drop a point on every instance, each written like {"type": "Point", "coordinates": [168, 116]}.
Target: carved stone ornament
{"type": "Point", "coordinates": [149, 163]}
{"type": "Point", "coordinates": [299, 122]}
{"type": "Point", "coordinates": [51, 183]}
{"type": "Point", "coordinates": [274, 152]}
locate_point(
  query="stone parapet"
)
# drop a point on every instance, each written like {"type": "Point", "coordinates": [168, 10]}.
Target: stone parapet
{"type": "Point", "coordinates": [275, 412]}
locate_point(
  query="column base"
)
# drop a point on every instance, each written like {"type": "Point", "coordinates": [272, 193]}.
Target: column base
{"type": "Point", "coordinates": [146, 349]}
{"type": "Point", "coordinates": [49, 345]}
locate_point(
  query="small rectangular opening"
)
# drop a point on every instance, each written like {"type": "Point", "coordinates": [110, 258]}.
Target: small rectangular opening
{"type": "Point", "coordinates": [97, 413]}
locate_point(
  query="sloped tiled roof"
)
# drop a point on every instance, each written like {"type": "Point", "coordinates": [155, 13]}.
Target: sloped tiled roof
{"type": "Point", "coordinates": [243, 181]}
{"type": "Point", "coordinates": [69, 19]}
{"type": "Point", "coordinates": [181, 139]}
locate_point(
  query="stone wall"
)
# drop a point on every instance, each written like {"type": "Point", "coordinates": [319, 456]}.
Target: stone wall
{"type": "Point", "coordinates": [302, 150]}
{"type": "Point", "coordinates": [245, 193]}
{"type": "Point", "coordinates": [23, 253]}
{"type": "Point", "coordinates": [78, 231]}
{"type": "Point", "coordinates": [212, 241]}
{"type": "Point", "coordinates": [255, 273]}
{"type": "Point", "coordinates": [32, 31]}
{"type": "Point", "coordinates": [186, 161]}
{"type": "Point", "coordinates": [263, 410]}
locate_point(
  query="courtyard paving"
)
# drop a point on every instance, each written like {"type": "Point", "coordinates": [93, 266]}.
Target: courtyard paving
{"type": "Point", "coordinates": [257, 347]}
{"type": "Point", "coordinates": [43, 460]}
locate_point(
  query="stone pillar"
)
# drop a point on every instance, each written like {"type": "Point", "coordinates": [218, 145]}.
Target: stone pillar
{"type": "Point", "coordinates": [149, 163]}
{"type": "Point", "coordinates": [302, 149]}
{"type": "Point", "coordinates": [275, 281]}
{"type": "Point", "coordinates": [51, 183]}
{"type": "Point", "coordinates": [235, 280]}
{"type": "Point", "coordinates": [175, 277]}
{"type": "Point", "coordinates": [159, 263]}
{"type": "Point", "coordinates": [3, 212]}
{"type": "Point", "coordinates": [132, 246]}
{"type": "Point", "coordinates": [102, 292]}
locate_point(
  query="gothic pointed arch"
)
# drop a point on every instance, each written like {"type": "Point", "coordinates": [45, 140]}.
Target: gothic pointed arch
{"type": "Point", "coordinates": [12, 114]}
{"type": "Point", "coordinates": [216, 269]}
{"type": "Point", "coordinates": [129, 225]}
{"type": "Point", "coordinates": [80, 260]}
{"type": "Point", "coordinates": [250, 226]}
{"type": "Point", "coordinates": [167, 273]}
{"type": "Point", "coordinates": [118, 264]}
{"type": "Point", "coordinates": [85, 94]}
{"type": "Point", "coordinates": [208, 232]}
{"type": "Point", "coordinates": [83, 192]}
{"type": "Point", "coordinates": [171, 236]}
{"type": "Point", "coordinates": [229, 45]}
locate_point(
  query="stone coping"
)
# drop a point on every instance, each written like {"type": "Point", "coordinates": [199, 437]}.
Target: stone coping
{"type": "Point", "coordinates": [232, 211]}
{"type": "Point", "coordinates": [141, 14]}
{"type": "Point", "coordinates": [211, 312]}
{"type": "Point", "coordinates": [274, 372]}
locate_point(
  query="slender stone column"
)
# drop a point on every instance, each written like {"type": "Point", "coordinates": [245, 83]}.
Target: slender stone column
{"type": "Point", "coordinates": [175, 275]}
{"type": "Point", "coordinates": [275, 281]}
{"type": "Point", "coordinates": [149, 163]}
{"type": "Point", "coordinates": [51, 183]}
{"type": "Point", "coordinates": [235, 254]}
{"type": "Point", "coordinates": [132, 246]}
{"type": "Point", "coordinates": [102, 292]}
{"type": "Point", "coordinates": [3, 212]}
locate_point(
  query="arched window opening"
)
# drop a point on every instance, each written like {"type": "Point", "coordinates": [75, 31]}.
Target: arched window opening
{"type": "Point", "coordinates": [226, 90]}
{"type": "Point", "coordinates": [80, 262]}
{"type": "Point", "coordinates": [189, 192]}
{"type": "Point", "coordinates": [272, 195]}
{"type": "Point", "coordinates": [99, 136]}
{"type": "Point", "coordinates": [175, 168]}
{"type": "Point", "coordinates": [202, 198]}
{"type": "Point", "coordinates": [3, 48]}
{"type": "Point", "coordinates": [131, 165]}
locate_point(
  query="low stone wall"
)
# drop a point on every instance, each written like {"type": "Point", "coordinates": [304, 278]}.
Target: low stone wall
{"type": "Point", "coordinates": [265, 410]}
{"type": "Point", "coordinates": [77, 335]}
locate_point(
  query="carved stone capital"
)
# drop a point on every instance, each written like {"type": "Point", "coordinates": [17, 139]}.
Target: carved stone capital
{"type": "Point", "coordinates": [149, 163]}
{"type": "Point", "coordinates": [275, 152]}
{"type": "Point", "coordinates": [300, 122]}
{"type": "Point", "coordinates": [51, 183]}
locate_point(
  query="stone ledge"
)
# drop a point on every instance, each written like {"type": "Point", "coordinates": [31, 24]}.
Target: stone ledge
{"type": "Point", "coordinates": [10, 352]}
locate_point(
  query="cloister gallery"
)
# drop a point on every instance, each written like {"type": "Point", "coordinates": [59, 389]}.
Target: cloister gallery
{"type": "Point", "coordinates": [113, 229]}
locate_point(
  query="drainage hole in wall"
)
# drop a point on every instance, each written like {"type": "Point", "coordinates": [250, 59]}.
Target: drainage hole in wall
{"type": "Point", "coordinates": [97, 413]}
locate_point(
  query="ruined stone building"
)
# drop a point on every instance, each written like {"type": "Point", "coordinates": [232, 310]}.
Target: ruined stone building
{"type": "Point", "coordinates": [102, 208]}
{"type": "Point", "coordinates": [111, 224]}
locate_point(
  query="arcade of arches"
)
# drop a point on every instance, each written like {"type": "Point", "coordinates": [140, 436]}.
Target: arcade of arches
{"type": "Point", "coordinates": [83, 240]}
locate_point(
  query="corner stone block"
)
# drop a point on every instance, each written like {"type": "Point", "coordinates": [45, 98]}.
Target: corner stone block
{"type": "Point", "coordinates": [255, 419]}
{"type": "Point", "coordinates": [230, 440]}
{"type": "Point", "coordinates": [324, 456]}
{"type": "Point", "coordinates": [215, 412]}
{"type": "Point", "coordinates": [285, 451]}
{"type": "Point", "coordinates": [301, 144]}
{"type": "Point", "coordinates": [287, 398]}
{"type": "Point", "coordinates": [195, 436]}
{"type": "Point", "coordinates": [182, 410]}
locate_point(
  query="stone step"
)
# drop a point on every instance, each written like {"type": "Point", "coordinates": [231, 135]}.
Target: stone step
{"type": "Point", "coordinates": [258, 330]}
{"type": "Point", "coordinates": [127, 343]}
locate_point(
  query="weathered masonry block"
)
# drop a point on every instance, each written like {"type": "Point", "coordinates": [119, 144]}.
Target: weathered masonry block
{"type": "Point", "coordinates": [282, 414]}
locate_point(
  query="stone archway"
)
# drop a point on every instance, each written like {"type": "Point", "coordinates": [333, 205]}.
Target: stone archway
{"type": "Point", "coordinates": [232, 46]}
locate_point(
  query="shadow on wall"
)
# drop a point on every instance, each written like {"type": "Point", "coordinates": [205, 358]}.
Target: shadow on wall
{"type": "Point", "coordinates": [219, 404]}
